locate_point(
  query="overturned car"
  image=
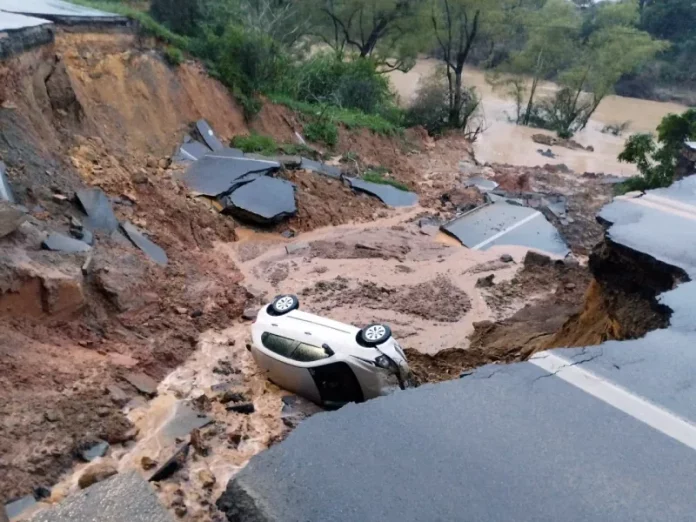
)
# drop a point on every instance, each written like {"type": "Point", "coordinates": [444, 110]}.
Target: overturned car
{"type": "Point", "coordinates": [328, 362]}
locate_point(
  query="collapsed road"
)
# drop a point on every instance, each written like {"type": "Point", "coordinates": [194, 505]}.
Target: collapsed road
{"type": "Point", "coordinates": [597, 433]}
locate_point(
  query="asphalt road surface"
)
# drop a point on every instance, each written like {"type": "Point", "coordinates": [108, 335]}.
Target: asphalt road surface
{"type": "Point", "coordinates": [605, 433]}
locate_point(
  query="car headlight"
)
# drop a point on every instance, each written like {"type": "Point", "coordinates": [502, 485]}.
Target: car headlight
{"type": "Point", "coordinates": [385, 362]}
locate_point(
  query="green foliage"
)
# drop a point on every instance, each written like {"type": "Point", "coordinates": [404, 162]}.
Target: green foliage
{"type": "Point", "coordinates": [616, 129]}
{"type": "Point", "coordinates": [377, 175]}
{"type": "Point", "coordinates": [181, 16]}
{"type": "Point", "coordinates": [656, 161]}
{"type": "Point", "coordinates": [173, 55]}
{"type": "Point", "coordinates": [257, 143]}
{"type": "Point", "coordinates": [322, 130]}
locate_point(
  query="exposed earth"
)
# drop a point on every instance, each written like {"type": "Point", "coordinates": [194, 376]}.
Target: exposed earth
{"type": "Point", "coordinates": [90, 338]}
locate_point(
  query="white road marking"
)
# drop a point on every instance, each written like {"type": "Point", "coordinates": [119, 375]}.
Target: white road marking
{"type": "Point", "coordinates": [637, 407]}
{"type": "Point", "coordinates": [183, 151]}
{"type": "Point", "coordinates": [669, 206]}
{"type": "Point", "coordinates": [240, 158]}
{"type": "Point", "coordinates": [508, 229]}
{"type": "Point", "coordinates": [671, 203]}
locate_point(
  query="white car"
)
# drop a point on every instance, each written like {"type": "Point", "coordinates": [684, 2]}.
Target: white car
{"type": "Point", "coordinates": [325, 361]}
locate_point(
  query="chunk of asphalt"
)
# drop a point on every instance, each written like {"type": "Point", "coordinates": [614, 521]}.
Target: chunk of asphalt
{"type": "Point", "coordinates": [83, 235]}
{"type": "Point", "coordinates": [141, 382]}
{"type": "Point", "coordinates": [287, 161]}
{"type": "Point", "coordinates": [320, 168]}
{"type": "Point", "coordinates": [229, 152]}
{"type": "Point", "coordinates": [184, 421]}
{"type": "Point", "coordinates": [265, 200]}
{"type": "Point", "coordinates": [208, 136]}
{"type": "Point", "coordinates": [5, 189]}
{"type": "Point", "coordinates": [172, 465]}
{"type": "Point", "coordinates": [483, 184]}
{"type": "Point", "coordinates": [94, 451]}
{"type": "Point", "coordinates": [191, 151]}
{"type": "Point", "coordinates": [100, 214]}
{"type": "Point", "coordinates": [123, 497]}
{"type": "Point", "coordinates": [10, 218]}
{"type": "Point", "coordinates": [18, 506]}
{"type": "Point", "coordinates": [295, 247]}
{"type": "Point", "coordinates": [386, 193]}
{"type": "Point", "coordinates": [213, 175]}
{"type": "Point", "coordinates": [245, 408]}
{"type": "Point", "coordinates": [139, 239]}
{"type": "Point", "coordinates": [60, 243]}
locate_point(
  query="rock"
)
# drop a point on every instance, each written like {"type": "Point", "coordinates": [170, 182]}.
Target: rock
{"type": "Point", "coordinates": [96, 473]}
{"type": "Point", "coordinates": [245, 408]}
{"type": "Point", "coordinates": [92, 450]}
{"type": "Point", "coordinates": [42, 492]}
{"type": "Point", "coordinates": [14, 509]}
{"type": "Point", "coordinates": [570, 286]}
{"type": "Point", "coordinates": [181, 310]}
{"type": "Point", "coordinates": [164, 163]}
{"type": "Point", "coordinates": [506, 258]}
{"type": "Point", "coordinates": [63, 295]}
{"type": "Point", "coordinates": [180, 511]}
{"type": "Point", "coordinates": [250, 313]}
{"type": "Point", "coordinates": [52, 416]}
{"type": "Point", "coordinates": [200, 447]}
{"type": "Point", "coordinates": [103, 411]}
{"type": "Point", "coordinates": [429, 230]}
{"type": "Point", "coordinates": [118, 396]}
{"type": "Point", "coordinates": [10, 219]}
{"type": "Point", "coordinates": [61, 243]}
{"type": "Point", "coordinates": [147, 463]}
{"type": "Point", "coordinates": [207, 479]}
{"type": "Point", "coordinates": [535, 259]}
{"type": "Point", "coordinates": [172, 465]}
{"type": "Point", "coordinates": [230, 396]}
{"type": "Point", "coordinates": [196, 313]}
{"type": "Point", "coordinates": [143, 383]}
{"type": "Point", "coordinates": [295, 247]}
{"type": "Point", "coordinates": [485, 282]}
{"type": "Point", "coordinates": [288, 234]}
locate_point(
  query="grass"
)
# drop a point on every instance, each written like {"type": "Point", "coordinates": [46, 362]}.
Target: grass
{"type": "Point", "coordinates": [267, 146]}
{"type": "Point", "coordinates": [351, 119]}
{"type": "Point", "coordinates": [322, 130]}
{"type": "Point", "coordinates": [148, 25]}
{"type": "Point", "coordinates": [377, 176]}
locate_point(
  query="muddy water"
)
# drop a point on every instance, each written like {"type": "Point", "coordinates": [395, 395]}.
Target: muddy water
{"type": "Point", "coordinates": [505, 142]}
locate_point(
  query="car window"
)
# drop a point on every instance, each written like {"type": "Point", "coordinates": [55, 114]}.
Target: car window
{"type": "Point", "coordinates": [308, 353]}
{"type": "Point", "coordinates": [280, 345]}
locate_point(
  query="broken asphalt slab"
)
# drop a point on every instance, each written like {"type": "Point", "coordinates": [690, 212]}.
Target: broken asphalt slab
{"type": "Point", "coordinates": [153, 251]}
{"type": "Point", "coordinates": [264, 200]}
{"type": "Point", "coordinates": [184, 420]}
{"type": "Point", "coordinates": [61, 243]}
{"type": "Point", "coordinates": [613, 421]}
{"type": "Point", "coordinates": [386, 193]}
{"type": "Point", "coordinates": [483, 184]}
{"type": "Point", "coordinates": [141, 382]}
{"type": "Point", "coordinates": [60, 11]}
{"type": "Point", "coordinates": [505, 224]}
{"type": "Point", "coordinates": [214, 175]}
{"type": "Point", "coordinates": [19, 506]}
{"type": "Point", "coordinates": [124, 497]}
{"type": "Point", "coordinates": [320, 168]}
{"type": "Point", "coordinates": [191, 151]}
{"type": "Point", "coordinates": [97, 206]}
{"type": "Point", "coordinates": [208, 135]}
{"type": "Point", "coordinates": [14, 22]}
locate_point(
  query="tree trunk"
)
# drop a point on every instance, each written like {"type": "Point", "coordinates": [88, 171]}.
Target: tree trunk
{"type": "Point", "coordinates": [377, 32]}
{"type": "Point", "coordinates": [532, 92]}
{"type": "Point", "coordinates": [456, 107]}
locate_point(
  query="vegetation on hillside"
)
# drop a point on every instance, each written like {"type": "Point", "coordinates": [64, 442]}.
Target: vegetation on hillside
{"type": "Point", "coordinates": [327, 58]}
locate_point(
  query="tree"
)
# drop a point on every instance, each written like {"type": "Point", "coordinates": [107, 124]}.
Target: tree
{"type": "Point", "coordinates": [181, 16]}
{"type": "Point", "coordinates": [384, 30]}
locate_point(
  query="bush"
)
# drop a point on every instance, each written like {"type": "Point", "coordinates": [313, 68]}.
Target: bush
{"type": "Point", "coordinates": [377, 176]}
{"type": "Point", "coordinates": [256, 143]}
{"type": "Point", "coordinates": [173, 55]}
{"type": "Point", "coordinates": [349, 84]}
{"type": "Point", "coordinates": [181, 16]}
{"type": "Point", "coordinates": [431, 108]}
{"type": "Point", "coordinates": [322, 130]}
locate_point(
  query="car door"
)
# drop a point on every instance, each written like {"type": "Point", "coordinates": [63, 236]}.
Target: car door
{"type": "Point", "coordinates": [283, 370]}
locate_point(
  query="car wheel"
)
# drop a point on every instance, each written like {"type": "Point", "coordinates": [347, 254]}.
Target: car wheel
{"type": "Point", "coordinates": [375, 334]}
{"type": "Point", "coordinates": [284, 304]}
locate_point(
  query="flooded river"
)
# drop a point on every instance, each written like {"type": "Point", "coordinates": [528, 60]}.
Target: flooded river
{"type": "Point", "coordinates": [505, 142]}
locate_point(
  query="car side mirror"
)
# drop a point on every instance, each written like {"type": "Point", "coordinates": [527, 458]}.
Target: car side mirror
{"type": "Point", "coordinates": [327, 349]}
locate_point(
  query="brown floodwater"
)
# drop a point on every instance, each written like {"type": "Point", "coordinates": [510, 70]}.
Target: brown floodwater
{"type": "Point", "coordinates": [505, 142]}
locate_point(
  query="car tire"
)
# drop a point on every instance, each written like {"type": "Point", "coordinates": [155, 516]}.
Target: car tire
{"type": "Point", "coordinates": [283, 304]}
{"type": "Point", "coordinates": [375, 334]}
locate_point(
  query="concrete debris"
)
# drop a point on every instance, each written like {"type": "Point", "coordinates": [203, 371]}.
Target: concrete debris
{"type": "Point", "coordinates": [501, 223]}
{"type": "Point", "coordinates": [60, 243]}
{"type": "Point", "coordinates": [296, 247]}
{"type": "Point", "coordinates": [209, 137]}
{"type": "Point", "coordinates": [483, 184]}
{"type": "Point", "coordinates": [96, 473]}
{"type": "Point", "coordinates": [184, 420]}
{"type": "Point", "coordinates": [506, 258]}
{"type": "Point", "coordinates": [143, 383]}
{"type": "Point", "coordinates": [125, 497]}
{"type": "Point", "coordinates": [96, 204]}
{"type": "Point", "coordinates": [265, 200]}
{"type": "Point", "coordinates": [321, 168]}
{"type": "Point", "coordinates": [5, 189]}
{"type": "Point", "coordinates": [172, 465]}
{"type": "Point", "coordinates": [93, 450]}
{"type": "Point", "coordinates": [386, 193]}
{"type": "Point", "coordinates": [10, 218]}
{"type": "Point", "coordinates": [139, 239]}
{"type": "Point", "coordinates": [18, 506]}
